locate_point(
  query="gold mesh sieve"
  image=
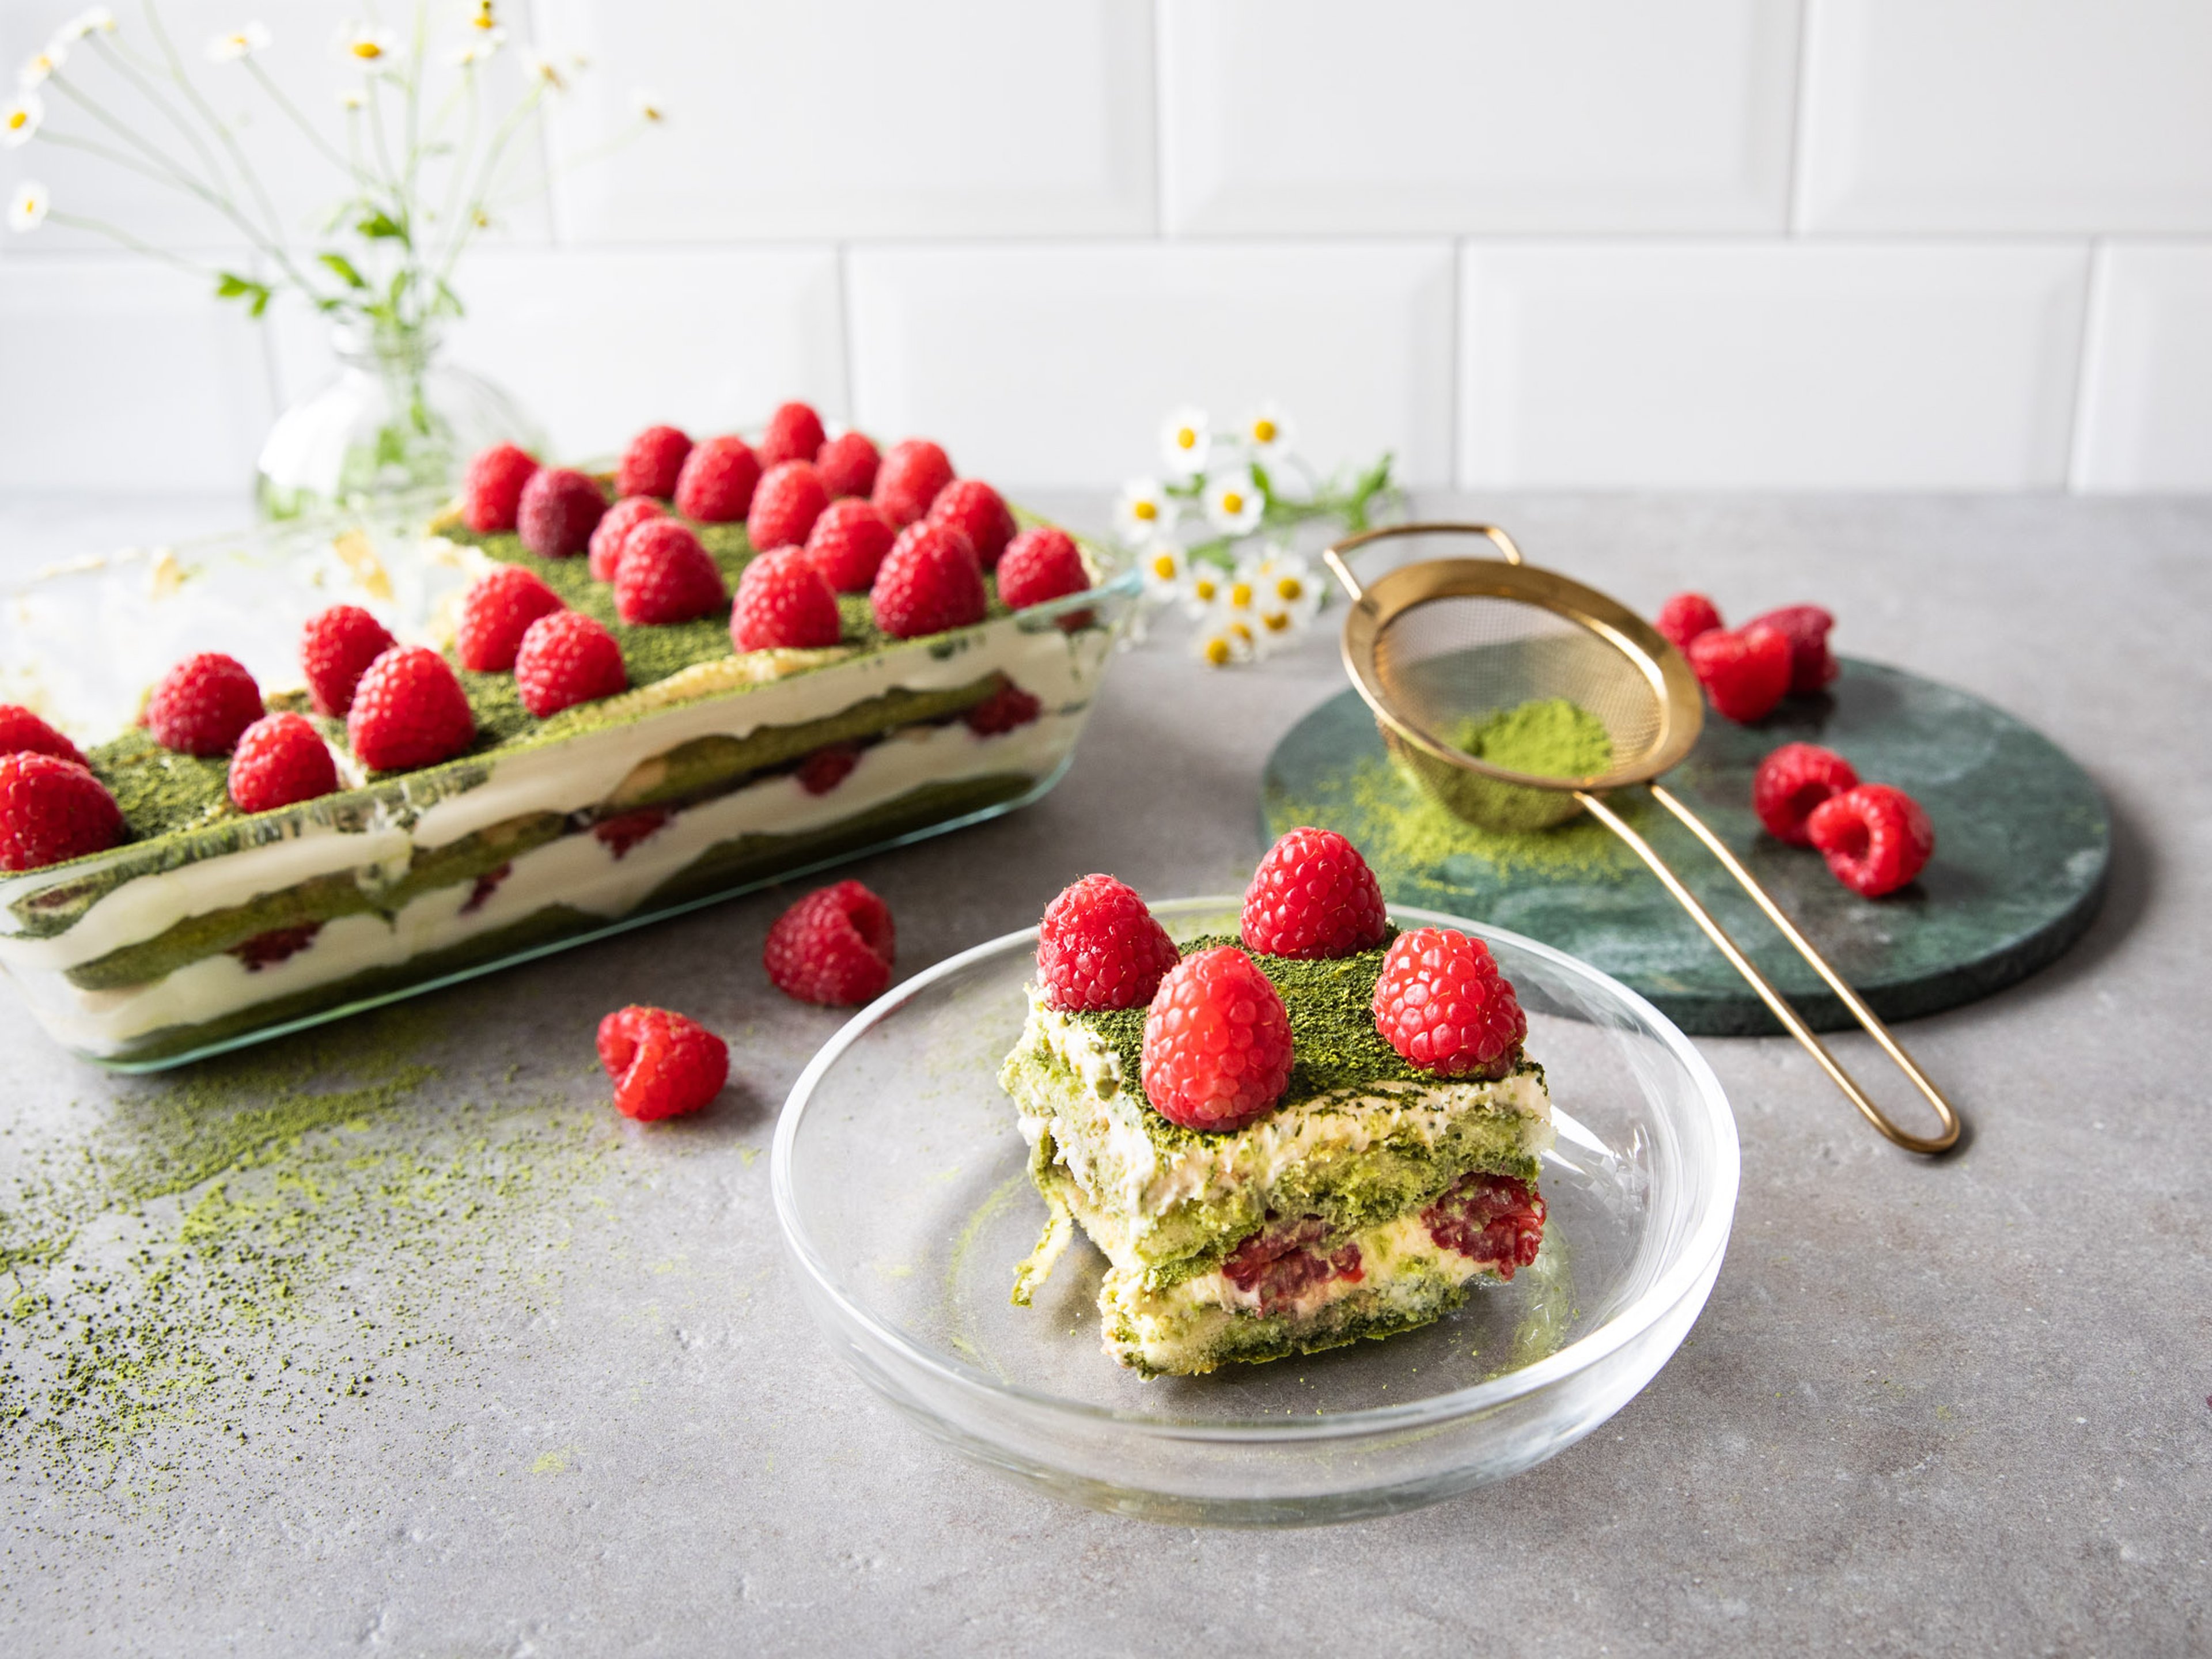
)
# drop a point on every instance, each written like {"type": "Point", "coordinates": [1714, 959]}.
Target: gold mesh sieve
{"type": "Point", "coordinates": [1436, 647]}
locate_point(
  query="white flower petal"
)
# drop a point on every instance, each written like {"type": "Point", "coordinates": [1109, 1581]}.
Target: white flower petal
{"type": "Point", "coordinates": [1233, 503]}
{"type": "Point", "coordinates": [20, 120]}
{"type": "Point", "coordinates": [41, 65]}
{"type": "Point", "coordinates": [28, 207]}
{"type": "Point", "coordinates": [238, 44]}
{"type": "Point", "coordinates": [1266, 432]}
{"type": "Point", "coordinates": [1185, 441]}
{"type": "Point", "coordinates": [1144, 513]}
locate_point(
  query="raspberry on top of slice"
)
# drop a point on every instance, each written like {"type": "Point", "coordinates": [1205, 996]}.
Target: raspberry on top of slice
{"type": "Point", "coordinates": [1218, 1050]}
{"type": "Point", "coordinates": [1444, 1003]}
{"type": "Point", "coordinates": [1100, 946]}
{"type": "Point", "coordinates": [1313, 897]}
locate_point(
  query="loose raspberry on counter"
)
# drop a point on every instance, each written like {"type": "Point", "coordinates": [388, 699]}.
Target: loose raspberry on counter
{"type": "Point", "coordinates": [1812, 665]}
{"type": "Point", "coordinates": [848, 541]}
{"type": "Point", "coordinates": [561, 508]}
{"type": "Point", "coordinates": [1004, 710]}
{"type": "Point", "coordinates": [909, 479]}
{"type": "Point", "coordinates": [1100, 946]}
{"type": "Point", "coordinates": [491, 489]}
{"type": "Point", "coordinates": [847, 465]}
{"type": "Point", "coordinates": [1442, 1003]}
{"type": "Point", "coordinates": [1744, 670]}
{"type": "Point", "coordinates": [1685, 617]}
{"type": "Point", "coordinates": [928, 582]}
{"type": "Point", "coordinates": [1876, 839]}
{"type": "Point", "coordinates": [978, 512]}
{"type": "Point", "coordinates": [50, 809]}
{"type": "Point", "coordinates": [281, 761]}
{"type": "Point", "coordinates": [1313, 896]}
{"type": "Point", "coordinates": [784, 603]}
{"type": "Point", "coordinates": [1492, 1219]}
{"type": "Point", "coordinates": [665, 576]}
{"type": "Point", "coordinates": [567, 658]}
{"type": "Point", "coordinates": [1793, 780]}
{"type": "Point", "coordinates": [1041, 563]}
{"type": "Point", "coordinates": [409, 711]}
{"type": "Point", "coordinates": [717, 486]}
{"type": "Point", "coordinates": [1218, 1050]}
{"type": "Point", "coordinates": [662, 1064]}
{"type": "Point", "coordinates": [652, 463]}
{"type": "Point", "coordinates": [499, 606]}
{"type": "Point", "coordinates": [624, 516]}
{"type": "Point", "coordinates": [833, 947]}
{"type": "Point", "coordinates": [22, 732]}
{"type": "Point", "coordinates": [335, 649]}
{"type": "Point", "coordinates": [794, 433]}
{"type": "Point", "coordinates": [202, 705]}
{"type": "Point", "coordinates": [789, 499]}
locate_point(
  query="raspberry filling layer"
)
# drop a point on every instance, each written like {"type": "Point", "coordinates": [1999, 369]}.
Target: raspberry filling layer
{"type": "Point", "coordinates": [1492, 1219]}
{"type": "Point", "coordinates": [1279, 1264]}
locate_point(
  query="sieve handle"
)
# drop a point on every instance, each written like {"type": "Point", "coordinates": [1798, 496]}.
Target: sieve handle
{"type": "Point", "coordinates": [1332, 556]}
{"type": "Point", "coordinates": [1773, 999]}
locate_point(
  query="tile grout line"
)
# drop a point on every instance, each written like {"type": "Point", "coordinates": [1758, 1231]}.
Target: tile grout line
{"type": "Point", "coordinates": [1793, 217]}
{"type": "Point", "coordinates": [851, 354]}
{"type": "Point", "coordinates": [2088, 351]}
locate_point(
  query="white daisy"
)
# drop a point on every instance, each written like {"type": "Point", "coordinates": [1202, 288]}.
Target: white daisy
{"type": "Point", "coordinates": [97, 20]}
{"type": "Point", "coordinates": [41, 65]}
{"type": "Point", "coordinates": [1184, 442]}
{"type": "Point", "coordinates": [1286, 585]}
{"type": "Point", "coordinates": [1233, 503]}
{"type": "Point", "coordinates": [20, 120]}
{"type": "Point", "coordinates": [238, 43]}
{"type": "Point", "coordinates": [1144, 512]}
{"type": "Point", "coordinates": [28, 206]}
{"type": "Point", "coordinates": [1225, 641]}
{"type": "Point", "coordinates": [365, 44]}
{"type": "Point", "coordinates": [1267, 432]}
{"type": "Point", "coordinates": [1203, 584]}
{"type": "Point", "coordinates": [482, 21]}
{"type": "Point", "coordinates": [538, 66]}
{"type": "Point", "coordinates": [650, 109]}
{"type": "Point", "coordinates": [1166, 566]}
{"type": "Point", "coordinates": [352, 97]}
{"type": "Point", "coordinates": [479, 48]}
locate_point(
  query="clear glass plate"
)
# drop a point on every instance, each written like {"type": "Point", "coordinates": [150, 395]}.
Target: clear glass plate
{"type": "Point", "coordinates": [901, 1184]}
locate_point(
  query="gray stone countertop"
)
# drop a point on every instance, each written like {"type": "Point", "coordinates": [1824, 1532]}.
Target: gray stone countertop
{"type": "Point", "coordinates": [460, 1363]}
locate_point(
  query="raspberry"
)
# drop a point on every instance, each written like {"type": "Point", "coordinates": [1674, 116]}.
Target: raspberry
{"type": "Point", "coordinates": [789, 500]}
{"type": "Point", "coordinates": [717, 486]}
{"type": "Point", "coordinates": [200, 706]}
{"type": "Point", "coordinates": [663, 1065]}
{"type": "Point", "coordinates": [783, 603]}
{"type": "Point", "coordinates": [50, 809]}
{"type": "Point", "coordinates": [1313, 896]}
{"type": "Point", "coordinates": [1005, 709]}
{"type": "Point", "coordinates": [409, 711]}
{"type": "Point", "coordinates": [1685, 617]}
{"type": "Point", "coordinates": [335, 649]}
{"type": "Point", "coordinates": [847, 465]}
{"type": "Point", "coordinates": [23, 732]}
{"type": "Point", "coordinates": [1744, 670]}
{"type": "Point", "coordinates": [928, 582]}
{"type": "Point", "coordinates": [973, 508]}
{"type": "Point", "coordinates": [1277, 1265]}
{"type": "Point", "coordinates": [1812, 665]}
{"type": "Point", "coordinates": [1442, 1004]}
{"type": "Point", "coordinates": [848, 543]}
{"type": "Point", "coordinates": [652, 463]}
{"type": "Point", "coordinates": [1099, 947]}
{"type": "Point", "coordinates": [561, 508]}
{"type": "Point", "coordinates": [266, 950]}
{"type": "Point", "coordinates": [828, 767]}
{"type": "Point", "coordinates": [624, 516]}
{"type": "Point", "coordinates": [567, 658]}
{"type": "Point", "coordinates": [1493, 1218]}
{"type": "Point", "coordinates": [1875, 838]}
{"type": "Point", "coordinates": [666, 576]}
{"type": "Point", "coordinates": [495, 611]}
{"type": "Point", "coordinates": [832, 947]}
{"type": "Point", "coordinates": [1217, 1042]}
{"type": "Point", "coordinates": [1040, 564]}
{"type": "Point", "coordinates": [281, 760]}
{"type": "Point", "coordinates": [491, 489]}
{"type": "Point", "coordinates": [1793, 780]}
{"type": "Point", "coordinates": [908, 480]}
{"type": "Point", "coordinates": [794, 433]}
{"type": "Point", "coordinates": [626, 829]}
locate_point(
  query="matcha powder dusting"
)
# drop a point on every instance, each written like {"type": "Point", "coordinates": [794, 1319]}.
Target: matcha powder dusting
{"type": "Point", "coordinates": [1550, 737]}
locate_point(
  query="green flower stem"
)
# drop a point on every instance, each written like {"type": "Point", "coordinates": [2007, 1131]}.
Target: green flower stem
{"type": "Point", "coordinates": [222, 128]}
{"type": "Point", "coordinates": [124, 238]}
{"type": "Point", "coordinates": [292, 113]}
{"type": "Point", "coordinates": [147, 89]}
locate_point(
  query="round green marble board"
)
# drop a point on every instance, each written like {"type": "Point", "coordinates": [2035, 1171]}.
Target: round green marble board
{"type": "Point", "coordinates": [2022, 846]}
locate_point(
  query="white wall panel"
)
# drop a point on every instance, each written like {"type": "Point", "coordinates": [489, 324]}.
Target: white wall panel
{"type": "Point", "coordinates": [2146, 380]}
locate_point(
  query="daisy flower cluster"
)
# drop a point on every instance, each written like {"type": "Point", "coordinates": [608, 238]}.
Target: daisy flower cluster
{"type": "Point", "coordinates": [1213, 534]}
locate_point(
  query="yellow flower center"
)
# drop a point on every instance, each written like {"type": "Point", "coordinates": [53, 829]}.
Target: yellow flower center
{"type": "Point", "coordinates": [367, 50]}
{"type": "Point", "coordinates": [1185, 438]}
{"type": "Point", "coordinates": [1231, 503]}
{"type": "Point", "coordinates": [1163, 566]}
{"type": "Point", "coordinates": [1276, 621]}
{"type": "Point", "coordinates": [1240, 594]}
{"type": "Point", "coordinates": [1144, 511]}
{"type": "Point", "coordinates": [1205, 588]}
{"type": "Point", "coordinates": [1217, 651]}
{"type": "Point", "coordinates": [1290, 590]}
{"type": "Point", "coordinates": [1263, 431]}
{"type": "Point", "coordinates": [1241, 632]}
{"type": "Point", "coordinates": [482, 20]}
{"type": "Point", "coordinates": [18, 118]}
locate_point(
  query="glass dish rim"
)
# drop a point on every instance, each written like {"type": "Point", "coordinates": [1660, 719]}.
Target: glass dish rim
{"type": "Point", "coordinates": [1681, 1277]}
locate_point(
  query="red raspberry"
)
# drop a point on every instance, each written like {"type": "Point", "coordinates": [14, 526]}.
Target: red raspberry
{"type": "Point", "coordinates": [783, 603]}
{"type": "Point", "coordinates": [1875, 838]}
{"type": "Point", "coordinates": [928, 582]}
{"type": "Point", "coordinates": [1442, 1004]}
{"type": "Point", "coordinates": [409, 711]}
{"type": "Point", "coordinates": [848, 543]}
{"type": "Point", "coordinates": [794, 433]}
{"type": "Point", "coordinates": [567, 658]}
{"type": "Point", "coordinates": [717, 483]}
{"type": "Point", "coordinates": [23, 732]}
{"type": "Point", "coordinates": [663, 1065]}
{"type": "Point", "coordinates": [200, 706]}
{"type": "Point", "coordinates": [1279, 1264]}
{"type": "Point", "coordinates": [652, 463]}
{"type": "Point", "coordinates": [1040, 564]}
{"type": "Point", "coordinates": [335, 649]}
{"type": "Point", "coordinates": [908, 480]}
{"type": "Point", "coordinates": [561, 508]}
{"type": "Point", "coordinates": [624, 516]}
{"type": "Point", "coordinates": [1005, 709]}
{"type": "Point", "coordinates": [281, 761]}
{"type": "Point", "coordinates": [833, 947]}
{"type": "Point", "coordinates": [1490, 1217]}
{"type": "Point", "coordinates": [1313, 896]}
{"type": "Point", "coordinates": [1218, 1048]}
{"type": "Point", "coordinates": [1793, 780]}
{"type": "Point", "coordinates": [50, 809]}
{"type": "Point", "coordinates": [1100, 946]}
{"type": "Point", "coordinates": [1744, 670]}
{"type": "Point", "coordinates": [1685, 617]}
{"type": "Point", "coordinates": [1812, 665]}
{"type": "Point", "coordinates": [847, 465]}
{"type": "Point", "coordinates": [491, 489]}
{"type": "Point", "coordinates": [828, 767]}
{"type": "Point", "coordinates": [973, 508]}
{"type": "Point", "coordinates": [497, 610]}
{"type": "Point", "coordinates": [666, 576]}
{"type": "Point", "coordinates": [789, 500]}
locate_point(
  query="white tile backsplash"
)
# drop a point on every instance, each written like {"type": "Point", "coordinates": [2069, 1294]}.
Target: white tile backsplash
{"type": "Point", "coordinates": [2146, 380]}
{"type": "Point", "coordinates": [1298, 117]}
